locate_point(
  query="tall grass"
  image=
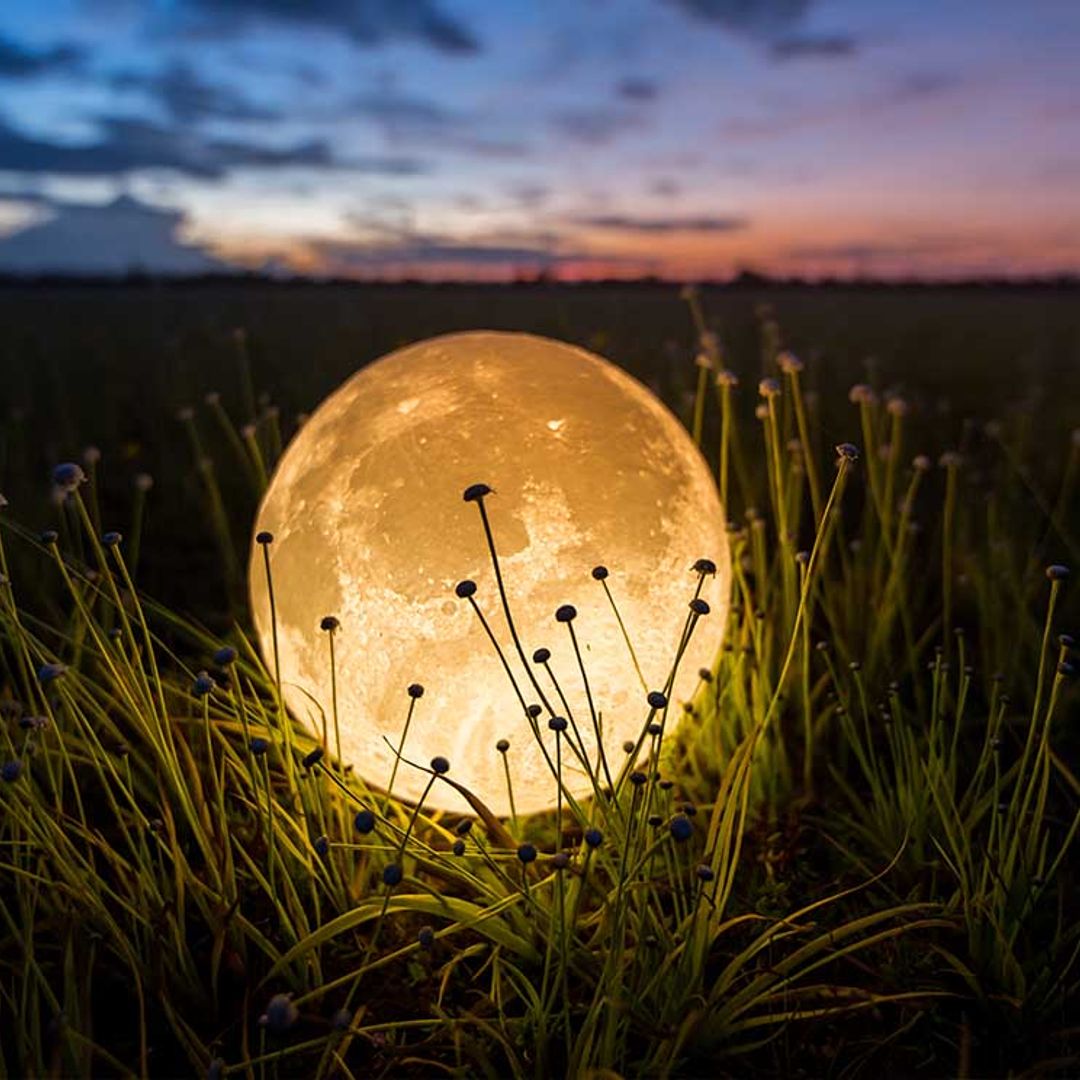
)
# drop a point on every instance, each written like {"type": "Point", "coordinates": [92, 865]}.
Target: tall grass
{"type": "Point", "coordinates": [867, 814]}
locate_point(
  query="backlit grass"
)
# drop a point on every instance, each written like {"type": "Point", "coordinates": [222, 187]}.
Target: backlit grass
{"type": "Point", "coordinates": [856, 851]}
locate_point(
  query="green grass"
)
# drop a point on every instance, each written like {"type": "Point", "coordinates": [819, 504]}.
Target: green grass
{"type": "Point", "coordinates": [860, 854]}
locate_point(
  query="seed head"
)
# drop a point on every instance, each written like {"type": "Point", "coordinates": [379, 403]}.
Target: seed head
{"type": "Point", "coordinates": [681, 827]}
{"type": "Point", "coordinates": [312, 759]}
{"type": "Point", "coordinates": [415, 690]}
{"type": "Point", "coordinates": [1057, 572]}
{"type": "Point", "coordinates": [656, 728]}
{"type": "Point", "coordinates": [203, 684]}
{"type": "Point", "coordinates": [541, 656]}
{"type": "Point", "coordinates": [704, 566]}
{"type": "Point", "coordinates": [342, 1020]}
{"type": "Point", "coordinates": [699, 606]}
{"type": "Point", "coordinates": [704, 872]}
{"type": "Point", "coordinates": [476, 492]}
{"type": "Point", "coordinates": [440, 766]}
{"type": "Point", "coordinates": [280, 1014]}
{"type": "Point", "coordinates": [560, 860]}
{"type": "Point", "coordinates": [726, 378]}
{"type": "Point", "coordinates": [258, 746]}
{"type": "Point", "coordinates": [533, 711]}
{"type": "Point", "coordinates": [897, 406]}
{"type": "Point", "coordinates": [68, 476]}
{"type": "Point", "coordinates": [638, 778]}
{"type": "Point", "coordinates": [465, 589]}
{"type": "Point", "coordinates": [464, 827]}
{"type": "Point", "coordinates": [599, 572]}
{"type": "Point", "coordinates": [321, 845]}
{"type": "Point", "coordinates": [458, 847]}
{"type": "Point", "coordinates": [769, 388]}
{"type": "Point", "coordinates": [264, 538]}
{"type": "Point", "coordinates": [557, 723]}
{"type": "Point", "coordinates": [143, 482]}
{"type": "Point", "coordinates": [48, 537]}
{"type": "Point", "coordinates": [704, 674]}
{"type": "Point", "coordinates": [392, 875]}
{"type": "Point", "coordinates": [502, 745]}
{"type": "Point", "coordinates": [225, 656]}
{"type": "Point", "coordinates": [364, 822]}
{"type": "Point", "coordinates": [789, 363]}
{"type": "Point", "coordinates": [656, 700]}
{"type": "Point", "coordinates": [848, 452]}
{"type": "Point", "coordinates": [426, 937]}
{"type": "Point", "coordinates": [527, 853]}
{"type": "Point", "coordinates": [593, 837]}
{"type": "Point", "coordinates": [111, 539]}
{"type": "Point", "coordinates": [48, 673]}
{"type": "Point", "coordinates": [566, 613]}
{"type": "Point", "coordinates": [329, 623]}
{"type": "Point", "coordinates": [10, 771]}
{"type": "Point", "coordinates": [862, 394]}
{"type": "Point", "coordinates": [950, 460]}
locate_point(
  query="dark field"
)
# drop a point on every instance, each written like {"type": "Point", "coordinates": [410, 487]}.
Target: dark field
{"type": "Point", "coordinates": [863, 858]}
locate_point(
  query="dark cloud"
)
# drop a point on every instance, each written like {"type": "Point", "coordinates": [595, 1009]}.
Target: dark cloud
{"type": "Point", "coordinates": [814, 47]}
{"type": "Point", "coordinates": [596, 127]}
{"type": "Point", "coordinates": [115, 238]}
{"type": "Point", "coordinates": [637, 89]}
{"type": "Point", "coordinates": [126, 146]}
{"type": "Point", "coordinates": [20, 62]}
{"type": "Point", "coordinates": [622, 223]}
{"type": "Point", "coordinates": [403, 250]}
{"type": "Point", "coordinates": [366, 22]}
{"type": "Point", "coordinates": [757, 18]}
{"type": "Point", "coordinates": [187, 98]}
{"type": "Point", "coordinates": [422, 122]}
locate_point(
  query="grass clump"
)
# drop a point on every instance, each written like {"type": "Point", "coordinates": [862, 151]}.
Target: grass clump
{"type": "Point", "coordinates": [857, 848]}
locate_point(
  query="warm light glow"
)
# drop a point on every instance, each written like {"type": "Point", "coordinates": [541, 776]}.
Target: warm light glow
{"type": "Point", "coordinates": [369, 524]}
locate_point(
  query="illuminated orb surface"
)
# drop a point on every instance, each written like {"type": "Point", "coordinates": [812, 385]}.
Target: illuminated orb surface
{"type": "Point", "coordinates": [587, 468]}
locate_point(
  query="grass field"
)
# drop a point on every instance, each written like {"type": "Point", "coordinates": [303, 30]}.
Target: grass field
{"type": "Point", "coordinates": [857, 854]}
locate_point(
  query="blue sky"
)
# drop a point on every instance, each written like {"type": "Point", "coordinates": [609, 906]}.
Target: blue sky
{"type": "Point", "coordinates": [483, 139]}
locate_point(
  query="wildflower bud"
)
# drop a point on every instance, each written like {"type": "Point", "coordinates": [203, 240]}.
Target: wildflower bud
{"type": "Point", "coordinates": [704, 872]}
{"type": "Point", "coordinates": [655, 729]}
{"type": "Point", "coordinates": [789, 363]}
{"type": "Point", "coordinates": [225, 656]}
{"type": "Point", "coordinates": [638, 778]}
{"type": "Point", "coordinates": [704, 567]}
{"type": "Point", "coordinates": [921, 463]}
{"type": "Point", "coordinates": [329, 623]}
{"type": "Point", "coordinates": [565, 614]}
{"type": "Point", "coordinates": [313, 759]}
{"type": "Point", "coordinates": [264, 538]}
{"type": "Point", "coordinates": [464, 827]}
{"type": "Point", "coordinates": [322, 845]}
{"type": "Point", "coordinates": [847, 452]}
{"type": "Point", "coordinates": [950, 460]}
{"type": "Point", "coordinates": [897, 406]}
{"type": "Point", "coordinates": [654, 821]}
{"type": "Point", "coordinates": [727, 378]}
{"type": "Point", "coordinates": [341, 1020]}
{"type": "Point", "coordinates": [681, 828]}
{"type": "Point", "coordinates": [426, 937]}
{"type": "Point", "coordinates": [541, 656]}
{"type": "Point", "coordinates": [280, 1014]}
{"type": "Point", "coordinates": [203, 684]}
{"type": "Point", "coordinates": [111, 539]}
{"type": "Point", "coordinates": [10, 771]}
{"type": "Point", "coordinates": [862, 394]}
{"type": "Point", "coordinates": [1057, 572]}
{"type": "Point", "coordinates": [48, 537]}
{"type": "Point", "coordinates": [557, 723]}
{"type": "Point", "coordinates": [628, 746]}
{"type": "Point", "coordinates": [769, 388]}
{"type": "Point", "coordinates": [392, 875]}
{"type": "Point", "coordinates": [656, 700]}
{"type": "Point", "coordinates": [143, 482]}
{"type": "Point", "coordinates": [258, 746]}
{"type": "Point", "coordinates": [560, 860]}
{"type": "Point", "coordinates": [465, 589]}
{"type": "Point", "coordinates": [415, 690]}
{"type": "Point", "coordinates": [699, 606]}
{"type": "Point", "coordinates": [364, 822]}
{"type": "Point", "coordinates": [48, 673]}
{"type": "Point", "coordinates": [476, 492]}
{"type": "Point", "coordinates": [704, 674]}
{"type": "Point", "coordinates": [526, 853]}
{"type": "Point", "coordinates": [533, 711]}
{"type": "Point", "coordinates": [458, 847]}
{"type": "Point", "coordinates": [599, 573]}
{"type": "Point", "coordinates": [502, 745]}
{"type": "Point", "coordinates": [68, 476]}
{"type": "Point", "coordinates": [593, 837]}
{"type": "Point", "coordinates": [440, 765]}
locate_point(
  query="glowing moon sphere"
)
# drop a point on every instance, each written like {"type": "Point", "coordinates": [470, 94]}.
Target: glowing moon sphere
{"type": "Point", "coordinates": [587, 467]}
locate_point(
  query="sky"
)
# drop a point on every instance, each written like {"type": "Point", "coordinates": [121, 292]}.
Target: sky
{"type": "Point", "coordinates": [497, 139]}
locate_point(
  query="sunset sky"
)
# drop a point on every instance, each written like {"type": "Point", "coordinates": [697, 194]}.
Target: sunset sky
{"type": "Point", "coordinates": [493, 138]}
